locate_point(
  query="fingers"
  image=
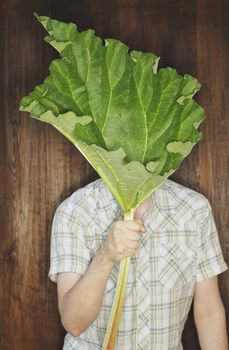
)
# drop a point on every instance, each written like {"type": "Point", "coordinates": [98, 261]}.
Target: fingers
{"type": "Point", "coordinates": [142, 227]}
{"type": "Point", "coordinates": [132, 244]}
{"type": "Point", "coordinates": [124, 238]}
{"type": "Point", "coordinates": [131, 229]}
{"type": "Point", "coordinates": [131, 252]}
{"type": "Point", "coordinates": [135, 225]}
{"type": "Point", "coordinates": [132, 235]}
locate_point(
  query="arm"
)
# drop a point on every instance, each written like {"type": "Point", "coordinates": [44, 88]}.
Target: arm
{"type": "Point", "coordinates": [80, 297]}
{"type": "Point", "coordinates": [209, 315]}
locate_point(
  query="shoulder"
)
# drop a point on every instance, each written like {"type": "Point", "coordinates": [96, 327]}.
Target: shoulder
{"type": "Point", "coordinates": [181, 195]}
{"type": "Point", "coordinates": [84, 201]}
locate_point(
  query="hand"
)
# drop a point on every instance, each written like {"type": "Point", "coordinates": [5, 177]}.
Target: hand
{"type": "Point", "coordinates": [123, 239]}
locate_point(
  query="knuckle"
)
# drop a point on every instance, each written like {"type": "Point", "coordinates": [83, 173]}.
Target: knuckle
{"type": "Point", "coordinates": [133, 252]}
{"type": "Point", "coordinates": [121, 249]}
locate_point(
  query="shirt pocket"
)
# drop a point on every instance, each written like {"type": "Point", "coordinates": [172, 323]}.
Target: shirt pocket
{"type": "Point", "coordinates": [176, 264]}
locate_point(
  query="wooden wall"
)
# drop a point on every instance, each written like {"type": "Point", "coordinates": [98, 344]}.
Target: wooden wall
{"type": "Point", "coordinates": [39, 167]}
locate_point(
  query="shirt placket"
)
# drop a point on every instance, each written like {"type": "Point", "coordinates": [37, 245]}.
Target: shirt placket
{"type": "Point", "coordinates": [143, 296]}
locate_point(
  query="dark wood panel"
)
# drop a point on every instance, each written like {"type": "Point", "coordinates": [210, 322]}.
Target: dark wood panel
{"type": "Point", "coordinates": [39, 167]}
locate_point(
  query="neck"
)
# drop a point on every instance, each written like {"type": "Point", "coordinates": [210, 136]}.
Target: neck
{"type": "Point", "coordinates": [140, 210]}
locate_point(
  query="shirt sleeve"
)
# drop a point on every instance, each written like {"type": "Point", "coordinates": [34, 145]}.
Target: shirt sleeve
{"type": "Point", "coordinates": [210, 257]}
{"type": "Point", "coordinates": [68, 249]}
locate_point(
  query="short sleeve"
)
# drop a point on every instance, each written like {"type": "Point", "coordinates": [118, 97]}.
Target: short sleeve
{"type": "Point", "coordinates": [68, 249]}
{"type": "Point", "coordinates": [210, 257]}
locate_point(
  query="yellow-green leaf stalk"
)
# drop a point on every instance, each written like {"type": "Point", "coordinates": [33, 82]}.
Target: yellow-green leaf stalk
{"type": "Point", "coordinates": [119, 299]}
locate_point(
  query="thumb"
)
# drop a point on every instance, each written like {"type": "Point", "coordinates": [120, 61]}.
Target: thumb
{"type": "Point", "coordinates": [142, 227]}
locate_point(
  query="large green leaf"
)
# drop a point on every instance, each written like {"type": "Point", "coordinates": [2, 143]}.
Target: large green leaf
{"type": "Point", "coordinates": [134, 124]}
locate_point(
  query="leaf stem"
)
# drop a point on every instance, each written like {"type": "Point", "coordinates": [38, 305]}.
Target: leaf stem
{"type": "Point", "coordinates": [119, 298]}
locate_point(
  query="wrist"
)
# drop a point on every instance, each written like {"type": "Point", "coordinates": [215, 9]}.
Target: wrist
{"type": "Point", "coordinates": [102, 252]}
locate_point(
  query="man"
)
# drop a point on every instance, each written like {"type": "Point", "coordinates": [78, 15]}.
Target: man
{"type": "Point", "coordinates": [175, 257]}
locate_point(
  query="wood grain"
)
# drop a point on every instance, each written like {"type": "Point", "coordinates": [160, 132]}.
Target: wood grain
{"type": "Point", "coordinates": [39, 167]}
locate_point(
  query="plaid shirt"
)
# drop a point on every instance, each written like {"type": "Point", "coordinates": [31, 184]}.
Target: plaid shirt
{"type": "Point", "coordinates": [181, 247]}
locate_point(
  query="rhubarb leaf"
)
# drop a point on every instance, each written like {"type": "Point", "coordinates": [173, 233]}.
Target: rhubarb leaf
{"type": "Point", "coordinates": [132, 122]}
